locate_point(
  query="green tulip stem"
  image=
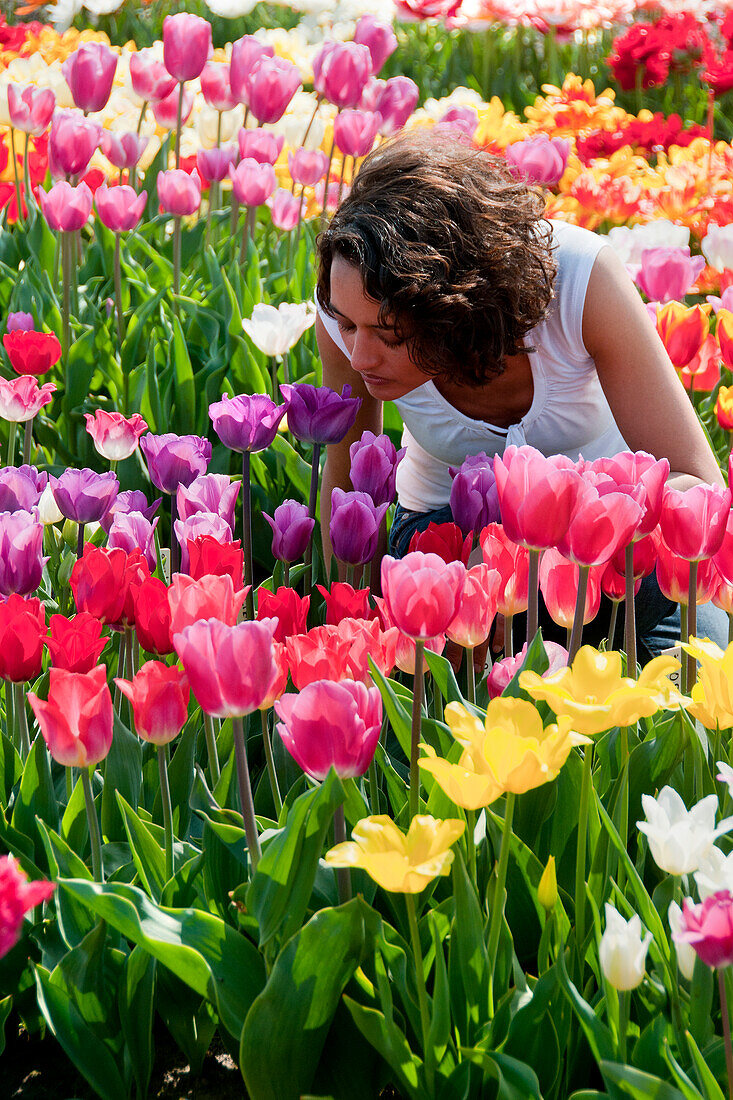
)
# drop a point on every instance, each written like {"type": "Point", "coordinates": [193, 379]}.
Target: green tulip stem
{"type": "Point", "coordinates": [374, 788]}
{"type": "Point", "coordinates": [508, 635]}
{"type": "Point", "coordinates": [470, 675]}
{"type": "Point", "coordinates": [533, 593]}
{"type": "Point", "coordinates": [179, 122]}
{"type": "Point", "coordinates": [328, 177]}
{"type": "Point", "coordinates": [343, 874]}
{"type": "Point", "coordinates": [79, 540]}
{"type": "Point", "coordinates": [725, 1014]}
{"type": "Point", "coordinates": [312, 499]}
{"type": "Point", "coordinates": [174, 541]}
{"type": "Point", "coordinates": [14, 155]}
{"type": "Point", "coordinates": [624, 998]}
{"type": "Point", "coordinates": [141, 117]}
{"type": "Point", "coordinates": [12, 430]}
{"type": "Point", "coordinates": [95, 837]}
{"type": "Point", "coordinates": [11, 729]}
{"type": "Point", "coordinates": [165, 797]}
{"type": "Point", "coordinates": [471, 843]}
{"type": "Point", "coordinates": [249, 606]}
{"type": "Point", "coordinates": [211, 750]}
{"type": "Point", "coordinates": [422, 993]}
{"type": "Point", "coordinates": [176, 262]}
{"type": "Point", "coordinates": [417, 698]}
{"type": "Point", "coordinates": [67, 262]}
{"type": "Point", "coordinates": [630, 613]}
{"type": "Point", "coordinates": [351, 574]}
{"type": "Point", "coordinates": [691, 625]}
{"type": "Point", "coordinates": [612, 625]}
{"type": "Point", "coordinates": [28, 440]}
{"type": "Point", "coordinates": [576, 635]}
{"type": "Point", "coordinates": [581, 848]}
{"type": "Point", "coordinates": [272, 773]}
{"type": "Point", "coordinates": [118, 310]}
{"type": "Point", "coordinates": [26, 175]}
{"type": "Point", "coordinates": [245, 792]}
{"type": "Point", "coordinates": [21, 719]}
{"type": "Point", "coordinates": [497, 909]}
{"type": "Point", "coordinates": [234, 223]}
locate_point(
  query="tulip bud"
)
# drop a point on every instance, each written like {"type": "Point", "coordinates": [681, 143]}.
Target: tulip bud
{"type": "Point", "coordinates": [547, 888]}
{"type": "Point", "coordinates": [622, 951]}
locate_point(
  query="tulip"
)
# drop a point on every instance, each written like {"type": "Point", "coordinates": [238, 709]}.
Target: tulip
{"type": "Point", "coordinates": [622, 950]}
{"type": "Point", "coordinates": [30, 108]}
{"type": "Point", "coordinates": [20, 322]}
{"type": "Point", "coordinates": [708, 929]}
{"type": "Point", "coordinates": [343, 601]}
{"type": "Point", "coordinates": [153, 617]}
{"type": "Point", "coordinates": [252, 182]}
{"type": "Point", "coordinates": [288, 608]}
{"type": "Point", "coordinates": [186, 45]}
{"type": "Point", "coordinates": [354, 131]}
{"type": "Point", "coordinates": [261, 145]}
{"type": "Point", "coordinates": [537, 495]}
{"type": "Point", "coordinates": [269, 86]}
{"type": "Point", "coordinates": [342, 73]}
{"type": "Point", "coordinates": [472, 623]}
{"type": "Point", "coordinates": [131, 500]}
{"type": "Point", "coordinates": [693, 522]}
{"type": "Point", "coordinates": [715, 873]}
{"type": "Point", "coordinates": [396, 102]}
{"type": "Point", "coordinates": [159, 697]}
{"type": "Point", "coordinates": [284, 209]}
{"type": "Point", "coordinates": [22, 398]}
{"type": "Point", "coordinates": [216, 88]}
{"type": "Point", "coordinates": [321, 654]}
{"type": "Point", "coordinates": [66, 208]}
{"type": "Point", "coordinates": [464, 120]}
{"type": "Point", "coordinates": [213, 164]}
{"type": "Point", "coordinates": [31, 352]}
{"type": "Point", "coordinates": [119, 208]}
{"type": "Point", "coordinates": [374, 461]}
{"type": "Point", "coordinates": [18, 896]}
{"type": "Point", "coordinates": [307, 166]}
{"type": "Point", "coordinates": [115, 436]}
{"type": "Point", "coordinates": [209, 493]}
{"type": "Point", "coordinates": [444, 539]}
{"type": "Point", "coordinates": [673, 577]}
{"type": "Point", "coordinates": [354, 526]}
{"type": "Point", "coordinates": [474, 499]}
{"type": "Point", "coordinates": [679, 839]}
{"type": "Point", "coordinates": [21, 548]}
{"type": "Point", "coordinates": [712, 702]}
{"type": "Point", "coordinates": [210, 597]}
{"type": "Point", "coordinates": [724, 408]}
{"type": "Point", "coordinates": [179, 192]}
{"type": "Point", "coordinates": [76, 720]}
{"type": "Point", "coordinates": [22, 634]}
{"type": "Point", "coordinates": [724, 336]}
{"type": "Point", "coordinates": [131, 529]}
{"type": "Point", "coordinates": [683, 331]}
{"type": "Point", "coordinates": [512, 561]}
{"type": "Point", "coordinates": [166, 110]}
{"type": "Point", "coordinates": [604, 520]}
{"type": "Point", "coordinates": [90, 73]}
{"type": "Point", "coordinates": [331, 725]}
{"type": "Point", "coordinates": [98, 583]}
{"type": "Point", "coordinates": [150, 79]}
{"type": "Point", "coordinates": [20, 488]}
{"type": "Point", "coordinates": [292, 528]}
{"type": "Point", "coordinates": [667, 274]}
{"type": "Point", "coordinates": [559, 584]}
{"type": "Point", "coordinates": [406, 651]}
{"type": "Point", "coordinates": [197, 525]}
{"type": "Point", "coordinates": [647, 475]}
{"type": "Point", "coordinates": [209, 558]}
{"type": "Point", "coordinates": [83, 495]}
{"type": "Point", "coordinates": [400, 863]}
{"type": "Point", "coordinates": [246, 52]}
{"type": "Point", "coordinates": [329, 202]}
{"type": "Point", "coordinates": [503, 672]}
{"type": "Point", "coordinates": [122, 149]}
{"type": "Point", "coordinates": [175, 460]}
{"type": "Point", "coordinates": [75, 644]}
{"type": "Point", "coordinates": [379, 38]}
{"type": "Point", "coordinates": [422, 593]}
{"type": "Point", "coordinates": [274, 331]}
{"type": "Point", "coordinates": [317, 414]}
{"type": "Point", "coordinates": [72, 141]}
{"type": "Point", "coordinates": [539, 159]}
{"type": "Point", "coordinates": [246, 422]}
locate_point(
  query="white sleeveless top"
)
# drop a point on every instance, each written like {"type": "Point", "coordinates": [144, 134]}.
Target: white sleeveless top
{"type": "Point", "coordinates": [569, 413]}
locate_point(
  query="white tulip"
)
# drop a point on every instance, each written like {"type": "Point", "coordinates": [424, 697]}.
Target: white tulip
{"type": "Point", "coordinates": [48, 511]}
{"type": "Point", "coordinates": [717, 246]}
{"type": "Point", "coordinates": [630, 242]}
{"type": "Point", "coordinates": [685, 951]}
{"type": "Point", "coordinates": [275, 330]}
{"type": "Point", "coordinates": [622, 951]}
{"type": "Point", "coordinates": [680, 839]}
{"type": "Point", "coordinates": [714, 873]}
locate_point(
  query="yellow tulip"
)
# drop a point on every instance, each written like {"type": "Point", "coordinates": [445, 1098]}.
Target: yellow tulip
{"type": "Point", "coordinates": [402, 864]}
{"type": "Point", "coordinates": [595, 696]}
{"type": "Point", "coordinates": [547, 888]}
{"type": "Point", "coordinates": [712, 695]}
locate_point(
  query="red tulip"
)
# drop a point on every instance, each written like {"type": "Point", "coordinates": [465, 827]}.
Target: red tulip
{"type": "Point", "coordinates": [98, 583]}
{"type": "Point", "coordinates": [537, 495]}
{"type": "Point", "coordinates": [209, 557]}
{"type": "Point", "coordinates": [683, 331]}
{"type": "Point", "coordinates": [76, 720]}
{"type": "Point", "coordinates": [604, 520]}
{"type": "Point", "coordinates": [230, 668]}
{"type": "Point", "coordinates": [75, 644]}
{"type": "Point", "coordinates": [559, 587]}
{"type": "Point", "coordinates": [673, 576]}
{"type": "Point", "coordinates": [472, 623]}
{"type": "Point", "coordinates": [331, 725]}
{"type": "Point", "coordinates": [285, 605]}
{"type": "Point", "coordinates": [693, 522]}
{"type": "Point", "coordinates": [321, 654]}
{"type": "Point", "coordinates": [613, 582]}
{"type": "Point", "coordinates": [32, 352]}
{"type": "Point", "coordinates": [22, 633]}
{"type": "Point", "coordinates": [208, 598]}
{"type": "Point", "coordinates": [366, 639]}
{"type": "Point", "coordinates": [422, 592]}
{"type": "Point", "coordinates": [153, 617]}
{"type": "Point", "coordinates": [444, 539]}
{"type": "Point", "coordinates": [512, 562]}
{"type": "Point", "coordinates": [344, 602]}
{"type": "Point", "coordinates": [159, 696]}
{"type": "Point", "coordinates": [644, 557]}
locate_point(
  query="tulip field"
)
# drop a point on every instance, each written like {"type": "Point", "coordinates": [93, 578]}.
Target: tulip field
{"type": "Point", "coordinates": [266, 830]}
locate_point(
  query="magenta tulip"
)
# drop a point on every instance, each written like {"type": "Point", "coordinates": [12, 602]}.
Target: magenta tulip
{"type": "Point", "coordinates": [270, 85]}
{"type": "Point", "coordinates": [604, 520]}
{"type": "Point", "coordinates": [307, 166]}
{"type": "Point", "coordinates": [331, 724]}
{"type": "Point", "coordinates": [539, 159]}
{"type": "Point", "coordinates": [90, 73]}
{"type": "Point", "coordinates": [261, 145]}
{"type": "Point", "coordinates": [213, 164]}
{"type": "Point", "coordinates": [179, 192]}
{"type": "Point", "coordinates": [396, 102]}
{"type": "Point", "coordinates": [341, 71]}
{"type": "Point", "coordinates": [150, 79]}
{"type": "Point", "coordinates": [64, 207]}
{"type": "Point", "coordinates": [129, 530]}
{"type": "Point", "coordinates": [422, 592]}
{"type": "Point", "coordinates": [187, 45]}
{"type": "Point", "coordinates": [123, 149]}
{"type": "Point", "coordinates": [379, 39]}
{"type": "Point", "coordinates": [216, 88]}
{"type": "Point", "coordinates": [166, 110]}
{"type": "Point", "coordinates": [71, 143]}
{"type": "Point", "coordinates": [354, 131]}
{"type": "Point", "coordinates": [693, 522]}
{"type": "Point", "coordinates": [537, 495]}
{"type": "Point", "coordinates": [284, 209]}
{"type": "Point", "coordinates": [252, 183]}
{"type": "Point", "coordinates": [668, 274]}
{"type": "Point", "coordinates": [643, 473]}
{"type": "Point", "coordinates": [708, 928]}
{"type": "Point", "coordinates": [230, 668]}
{"type": "Point", "coordinates": [246, 52]}
{"type": "Point", "coordinates": [30, 108]}
{"type": "Point", "coordinates": [119, 208]}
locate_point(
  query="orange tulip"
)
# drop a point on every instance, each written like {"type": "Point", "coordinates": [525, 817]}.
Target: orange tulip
{"type": "Point", "coordinates": [682, 330]}
{"type": "Point", "coordinates": [724, 406]}
{"type": "Point", "coordinates": [724, 333]}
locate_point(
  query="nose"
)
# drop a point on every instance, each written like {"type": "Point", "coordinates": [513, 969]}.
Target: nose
{"type": "Point", "coordinates": [364, 352]}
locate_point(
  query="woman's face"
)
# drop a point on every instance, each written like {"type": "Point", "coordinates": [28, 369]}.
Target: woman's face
{"type": "Point", "coordinates": [377, 353]}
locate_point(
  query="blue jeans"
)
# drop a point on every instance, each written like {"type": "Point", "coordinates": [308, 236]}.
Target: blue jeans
{"type": "Point", "coordinates": [657, 618]}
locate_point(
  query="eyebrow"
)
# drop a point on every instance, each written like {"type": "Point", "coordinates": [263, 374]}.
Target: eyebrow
{"type": "Point", "coordinates": [382, 328]}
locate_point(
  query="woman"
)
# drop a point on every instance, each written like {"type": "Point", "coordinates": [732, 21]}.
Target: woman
{"type": "Point", "coordinates": [442, 288]}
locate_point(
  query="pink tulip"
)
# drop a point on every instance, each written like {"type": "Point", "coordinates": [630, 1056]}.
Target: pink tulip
{"type": "Point", "coordinates": [150, 79]}
{"type": "Point", "coordinates": [209, 493]}
{"type": "Point", "coordinates": [209, 597]}
{"type": "Point", "coordinates": [179, 192]}
{"type": "Point", "coordinates": [90, 73]}
{"type": "Point", "coordinates": [725, 301]}
{"type": "Point", "coordinates": [379, 39]}
{"type": "Point", "coordinates": [270, 85]}
{"type": "Point", "coordinates": [537, 495]}
{"type": "Point", "coordinates": [405, 646]}
{"type": "Point", "coordinates": [559, 586]}
{"type": "Point", "coordinates": [17, 897]}
{"type": "Point", "coordinates": [123, 150]}
{"type": "Point", "coordinates": [396, 102]}
{"type": "Point", "coordinates": [422, 592]}
{"type": "Point", "coordinates": [354, 132]}
{"type": "Point", "coordinates": [472, 624]}
{"type": "Point", "coordinates": [667, 274]}
{"type": "Point", "coordinates": [261, 145]}
{"type": "Point", "coordinates": [643, 560]}
{"type": "Point", "coordinates": [723, 557]}
{"type": "Point", "coordinates": [463, 120]}
{"type": "Point", "coordinates": [30, 108]}
{"type": "Point", "coordinates": [119, 208]}
{"type": "Point", "coordinates": [187, 45]}
{"type": "Point", "coordinates": [693, 522]}
{"type": "Point", "coordinates": [284, 209]}
{"type": "Point", "coordinates": [723, 595]}
{"type": "Point", "coordinates": [132, 530]}
{"type": "Point", "coordinates": [673, 576]}
{"type": "Point", "coordinates": [307, 166]}
{"type": "Point", "coordinates": [115, 436]}
{"type": "Point", "coordinates": [64, 207]}
{"type": "Point", "coordinates": [252, 183]}
{"type": "Point", "coordinates": [335, 194]}
{"type": "Point", "coordinates": [708, 928]}
{"type": "Point", "coordinates": [371, 93]}
{"type": "Point", "coordinates": [231, 669]}
{"type": "Point", "coordinates": [604, 520]}
{"type": "Point", "coordinates": [539, 159]}
{"type": "Point", "coordinates": [216, 88]}
{"type": "Point", "coordinates": [166, 110]}
{"type": "Point", "coordinates": [613, 582]}
{"type": "Point", "coordinates": [341, 72]}
{"type": "Point", "coordinates": [213, 164]}
{"type": "Point", "coordinates": [159, 695]}
{"type": "Point", "coordinates": [331, 725]}
{"type": "Point", "coordinates": [197, 525]}
{"type": "Point", "coordinates": [22, 398]}
{"type": "Point", "coordinates": [512, 562]}
{"type": "Point", "coordinates": [246, 52]}
{"type": "Point", "coordinates": [76, 720]}
{"type": "Point", "coordinates": [503, 672]}
{"type": "Point", "coordinates": [644, 473]}
{"type": "Point", "coordinates": [71, 143]}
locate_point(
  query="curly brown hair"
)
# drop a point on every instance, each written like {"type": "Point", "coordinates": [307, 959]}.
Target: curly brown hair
{"type": "Point", "coordinates": [452, 246]}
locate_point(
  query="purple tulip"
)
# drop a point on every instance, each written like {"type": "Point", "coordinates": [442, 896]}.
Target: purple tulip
{"type": "Point", "coordinates": [21, 561]}
{"type": "Point", "coordinates": [209, 493]}
{"type": "Point", "coordinates": [20, 488]}
{"type": "Point", "coordinates": [474, 500]}
{"type": "Point", "coordinates": [20, 322]}
{"type": "Point", "coordinates": [175, 460]}
{"type": "Point", "coordinates": [84, 495]}
{"type": "Point", "coordinates": [292, 528]}
{"type": "Point", "coordinates": [317, 414]}
{"type": "Point", "coordinates": [202, 523]}
{"type": "Point", "coordinates": [131, 500]}
{"type": "Point", "coordinates": [247, 422]}
{"type": "Point", "coordinates": [130, 530]}
{"type": "Point", "coordinates": [374, 461]}
{"type": "Point", "coordinates": [354, 527]}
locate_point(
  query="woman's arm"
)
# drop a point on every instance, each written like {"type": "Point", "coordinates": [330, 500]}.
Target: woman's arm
{"type": "Point", "coordinates": [647, 399]}
{"type": "Point", "coordinates": [337, 373]}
